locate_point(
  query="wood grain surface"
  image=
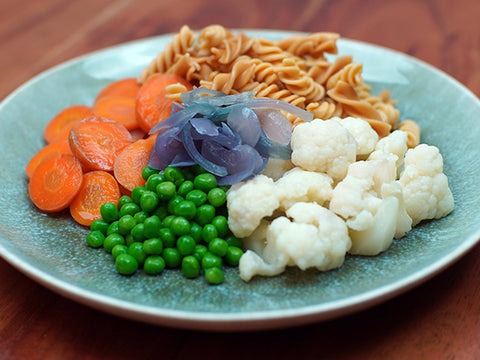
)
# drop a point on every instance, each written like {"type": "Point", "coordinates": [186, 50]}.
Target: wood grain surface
{"type": "Point", "coordinates": [437, 320]}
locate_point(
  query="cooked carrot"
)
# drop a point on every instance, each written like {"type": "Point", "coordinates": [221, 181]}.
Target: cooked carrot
{"type": "Point", "coordinates": [98, 187]}
{"type": "Point", "coordinates": [152, 104]}
{"type": "Point", "coordinates": [137, 134]}
{"type": "Point", "coordinates": [55, 148]}
{"type": "Point", "coordinates": [59, 126]}
{"type": "Point", "coordinates": [127, 87]}
{"type": "Point", "coordinates": [128, 165]}
{"type": "Point", "coordinates": [118, 108]}
{"type": "Point", "coordinates": [96, 141]}
{"type": "Point", "coordinates": [55, 182]}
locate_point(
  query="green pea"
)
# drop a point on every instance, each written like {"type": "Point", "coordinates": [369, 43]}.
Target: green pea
{"type": "Point", "coordinates": [172, 257]}
{"type": "Point", "coordinates": [137, 193]}
{"type": "Point", "coordinates": [100, 225]}
{"type": "Point", "coordinates": [166, 190]}
{"type": "Point", "coordinates": [161, 211]}
{"type": "Point", "coordinates": [153, 181]}
{"type": "Point", "coordinates": [214, 275]}
{"type": "Point", "coordinates": [119, 249]}
{"type": "Point", "coordinates": [209, 232]}
{"type": "Point", "coordinates": [112, 228]}
{"type": "Point", "coordinates": [112, 240]}
{"type": "Point", "coordinates": [126, 224]}
{"type": "Point", "coordinates": [109, 212]}
{"type": "Point", "coordinates": [167, 237]}
{"type": "Point", "coordinates": [188, 173]}
{"type": "Point", "coordinates": [233, 255]}
{"type": "Point", "coordinates": [95, 238]}
{"type": "Point", "coordinates": [205, 182]}
{"type": "Point", "coordinates": [218, 247]}
{"type": "Point", "coordinates": [174, 175]}
{"type": "Point", "coordinates": [136, 250]}
{"type": "Point", "coordinates": [138, 232]}
{"type": "Point", "coordinates": [204, 214]}
{"type": "Point", "coordinates": [149, 201]}
{"type": "Point", "coordinates": [123, 200]}
{"type": "Point", "coordinates": [140, 217]}
{"type": "Point", "coordinates": [147, 171]}
{"type": "Point", "coordinates": [129, 209]}
{"type": "Point", "coordinates": [129, 239]}
{"type": "Point", "coordinates": [217, 197]}
{"type": "Point", "coordinates": [186, 245]}
{"type": "Point", "coordinates": [197, 169]}
{"type": "Point", "coordinates": [172, 202]}
{"type": "Point", "coordinates": [152, 226]}
{"type": "Point", "coordinates": [153, 246]}
{"type": "Point", "coordinates": [198, 197]}
{"type": "Point", "coordinates": [167, 221]}
{"type": "Point", "coordinates": [234, 241]}
{"type": "Point", "coordinates": [185, 208]}
{"type": "Point", "coordinates": [180, 226]}
{"type": "Point", "coordinates": [195, 231]}
{"type": "Point", "coordinates": [211, 260]}
{"type": "Point", "coordinates": [126, 264]}
{"type": "Point", "coordinates": [221, 224]}
{"type": "Point", "coordinates": [185, 187]}
{"type": "Point", "coordinates": [154, 265]}
{"type": "Point", "coordinates": [200, 251]}
{"type": "Point", "coordinates": [190, 267]}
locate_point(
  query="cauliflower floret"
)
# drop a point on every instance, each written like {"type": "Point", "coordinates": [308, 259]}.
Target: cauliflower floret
{"type": "Point", "coordinates": [315, 238]}
{"type": "Point", "coordinates": [323, 146]}
{"type": "Point", "coordinates": [425, 186]}
{"type": "Point", "coordinates": [248, 202]}
{"type": "Point", "coordinates": [371, 202]}
{"type": "Point", "coordinates": [277, 167]}
{"type": "Point", "coordinates": [393, 144]}
{"type": "Point", "coordinates": [252, 264]}
{"type": "Point", "coordinates": [363, 133]}
{"type": "Point", "coordinates": [299, 185]}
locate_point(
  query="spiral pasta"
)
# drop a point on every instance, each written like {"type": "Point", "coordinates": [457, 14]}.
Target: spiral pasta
{"type": "Point", "coordinates": [294, 70]}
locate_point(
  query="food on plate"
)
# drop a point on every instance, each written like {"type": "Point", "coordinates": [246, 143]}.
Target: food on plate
{"type": "Point", "coordinates": [239, 151]}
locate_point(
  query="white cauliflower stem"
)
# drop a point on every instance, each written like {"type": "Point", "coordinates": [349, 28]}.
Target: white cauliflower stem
{"type": "Point", "coordinates": [425, 186]}
{"type": "Point", "coordinates": [323, 146]}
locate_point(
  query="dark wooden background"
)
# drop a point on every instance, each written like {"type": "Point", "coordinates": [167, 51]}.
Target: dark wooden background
{"type": "Point", "coordinates": [438, 320]}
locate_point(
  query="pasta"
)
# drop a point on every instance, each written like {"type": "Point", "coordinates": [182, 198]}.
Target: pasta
{"type": "Point", "coordinates": [295, 70]}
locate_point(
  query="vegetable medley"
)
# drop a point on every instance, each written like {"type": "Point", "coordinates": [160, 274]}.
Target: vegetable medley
{"type": "Point", "coordinates": [169, 174]}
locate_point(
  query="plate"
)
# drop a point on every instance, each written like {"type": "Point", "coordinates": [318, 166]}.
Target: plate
{"type": "Point", "coordinates": [52, 251]}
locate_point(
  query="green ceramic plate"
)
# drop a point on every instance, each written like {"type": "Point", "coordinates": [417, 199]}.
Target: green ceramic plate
{"type": "Point", "coordinates": [51, 249]}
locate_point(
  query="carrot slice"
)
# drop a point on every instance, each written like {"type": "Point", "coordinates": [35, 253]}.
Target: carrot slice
{"type": "Point", "coordinates": [137, 134]}
{"type": "Point", "coordinates": [153, 105]}
{"type": "Point", "coordinates": [55, 148]}
{"type": "Point", "coordinates": [98, 187]}
{"type": "Point", "coordinates": [118, 108]}
{"type": "Point", "coordinates": [128, 165]}
{"type": "Point", "coordinates": [59, 126]}
{"type": "Point", "coordinates": [127, 87]}
{"type": "Point", "coordinates": [55, 182]}
{"type": "Point", "coordinates": [97, 141]}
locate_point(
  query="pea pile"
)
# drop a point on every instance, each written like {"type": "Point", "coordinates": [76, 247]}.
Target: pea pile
{"type": "Point", "coordinates": [178, 219]}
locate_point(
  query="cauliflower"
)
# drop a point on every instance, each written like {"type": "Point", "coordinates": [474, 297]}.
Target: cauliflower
{"type": "Point", "coordinates": [299, 185]}
{"type": "Point", "coordinates": [315, 238]}
{"type": "Point", "coordinates": [425, 186]}
{"type": "Point", "coordinates": [363, 133]}
{"type": "Point", "coordinates": [393, 144]}
{"type": "Point", "coordinates": [371, 202]}
{"type": "Point", "coordinates": [249, 202]}
{"type": "Point", "coordinates": [277, 167]}
{"type": "Point", "coordinates": [323, 146]}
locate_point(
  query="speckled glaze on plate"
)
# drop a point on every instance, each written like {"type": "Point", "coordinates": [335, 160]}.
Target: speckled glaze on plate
{"type": "Point", "coordinates": [51, 249]}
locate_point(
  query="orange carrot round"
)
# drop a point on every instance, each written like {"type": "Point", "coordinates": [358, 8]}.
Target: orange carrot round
{"type": "Point", "coordinates": [55, 182]}
{"type": "Point", "coordinates": [98, 187]}
{"type": "Point", "coordinates": [97, 141]}
{"type": "Point", "coordinates": [127, 87]}
{"type": "Point", "coordinates": [152, 104]}
{"type": "Point", "coordinates": [55, 148]}
{"type": "Point", "coordinates": [59, 126]}
{"type": "Point", "coordinates": [118, 108]}
{"type": "Point", "coordinates": [137, 134]}
{"type": "Point", "coordinates": [128, 165]}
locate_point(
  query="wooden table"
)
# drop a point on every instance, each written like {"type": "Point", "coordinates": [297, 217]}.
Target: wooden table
{"type": "Point", "coordinates": [438, 320]}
